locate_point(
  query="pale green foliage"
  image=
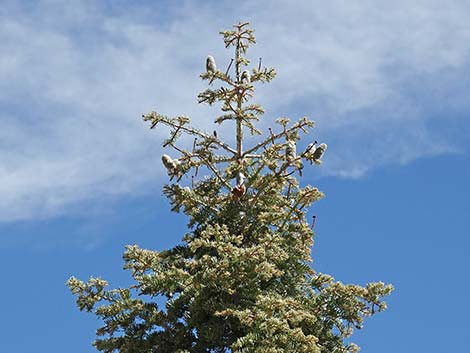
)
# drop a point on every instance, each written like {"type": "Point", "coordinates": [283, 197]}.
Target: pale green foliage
{"type": "Point", "coordinates": [241, 280]}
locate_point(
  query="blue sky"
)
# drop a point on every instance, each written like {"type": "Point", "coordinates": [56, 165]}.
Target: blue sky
{"type": "Point", "coordinates": [80, 174]}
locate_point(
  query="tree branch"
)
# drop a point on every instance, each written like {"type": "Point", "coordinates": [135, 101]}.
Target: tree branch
{"type": "Point", "coordinates": [157, 118]}
{"type": "Point", "coordinates": [277, 136]}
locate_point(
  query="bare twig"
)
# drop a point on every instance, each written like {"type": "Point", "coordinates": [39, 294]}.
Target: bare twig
{"type": "Point", "coordinates": [272, 135]}
{"type": "Point", "coordinates": [228, 68]}
{"type": "Point", "coordinates": [313, 222]}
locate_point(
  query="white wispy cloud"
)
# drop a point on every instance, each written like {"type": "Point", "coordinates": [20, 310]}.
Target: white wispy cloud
{"type": "Point", "coordinates": [76, 77]}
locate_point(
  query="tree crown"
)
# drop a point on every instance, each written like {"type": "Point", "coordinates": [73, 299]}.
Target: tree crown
{"type": "Point", "coordinates": [241, 280]}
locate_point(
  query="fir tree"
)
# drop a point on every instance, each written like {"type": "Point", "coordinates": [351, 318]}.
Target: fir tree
{"type": "Point", "coordinates": [241, 280]}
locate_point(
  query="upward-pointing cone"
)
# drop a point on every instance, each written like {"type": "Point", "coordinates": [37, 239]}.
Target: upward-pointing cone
{"type": "Point", "coordinates": [210, 64]}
